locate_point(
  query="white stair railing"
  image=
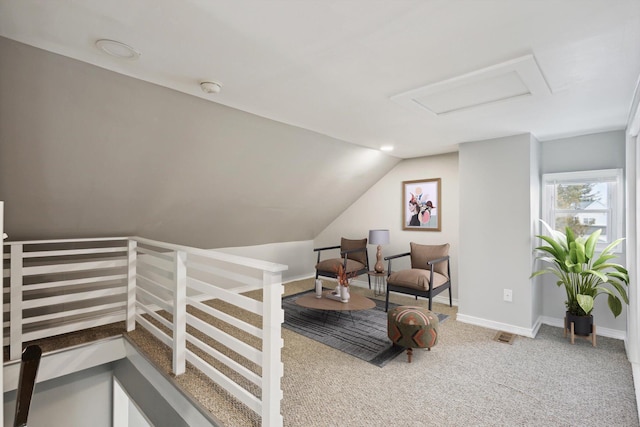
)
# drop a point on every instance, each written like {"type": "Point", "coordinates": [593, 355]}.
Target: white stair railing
{"type": "Point", "coordinates": [172, 277]}
{"type": "Point", "coordinates": [62, 286]}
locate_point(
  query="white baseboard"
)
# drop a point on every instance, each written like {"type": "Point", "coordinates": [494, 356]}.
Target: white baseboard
{"type": "Point", "coordinates": [533, 331]}
{"type": "Point", "coordinates": [444, 299]}
{"type": "Point", "coordinates": [498, 326]}
{"type": "Point", "coordinates": [603, 332]}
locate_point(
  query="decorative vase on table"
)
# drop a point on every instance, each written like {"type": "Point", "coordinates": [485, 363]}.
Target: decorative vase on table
{"type": "Point", "coordinates": [343, 284]}
{"type": "Point", "coordinates": [344, 293]}
{"type": "Point", "coordinates": [318, 288]}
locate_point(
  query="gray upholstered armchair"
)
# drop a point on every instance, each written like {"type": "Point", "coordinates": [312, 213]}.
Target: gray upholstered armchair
{"type": "Point", "coordinates": [354, 258]}
{"type": "Point", "coordinates": [429, 274]}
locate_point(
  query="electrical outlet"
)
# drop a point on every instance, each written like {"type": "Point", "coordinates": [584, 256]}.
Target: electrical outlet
{"type": "Point", "coordinates": [508, 295]}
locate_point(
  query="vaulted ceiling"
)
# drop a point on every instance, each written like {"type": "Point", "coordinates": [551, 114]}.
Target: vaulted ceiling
{"type": "Point", "coordinates": [358, 70]}
{"type": "Point", "coordinates": [92, 144]}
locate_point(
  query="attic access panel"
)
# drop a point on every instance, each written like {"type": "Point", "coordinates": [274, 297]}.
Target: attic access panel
{"type": "Point", "coordinates": [507, 81]}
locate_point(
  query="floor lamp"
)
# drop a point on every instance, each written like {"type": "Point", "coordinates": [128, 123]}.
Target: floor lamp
{"type": "Point", "coordinates": [379, 237]}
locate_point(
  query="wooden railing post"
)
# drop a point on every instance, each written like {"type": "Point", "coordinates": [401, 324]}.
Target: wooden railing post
{"type": "Point", "coordinates": [132, 258]}
{"type": "Point", "coordinates": [180, 312]}
{"type": "Point", "coordinates": [272, 343]}
{"type": "Point", "coordinates": [15, 311]}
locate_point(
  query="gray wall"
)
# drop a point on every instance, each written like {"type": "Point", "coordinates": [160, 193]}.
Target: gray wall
{"type": "Point", "coordinates": [497, 204]}
{"type": "Point", "coordinates": [88, 152]}
{"type": "Point", "coordinates": [78, 399]}
{"type": "Point", "coordinates": [589, 152]}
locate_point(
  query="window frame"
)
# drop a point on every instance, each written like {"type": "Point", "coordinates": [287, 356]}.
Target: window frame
{"type": "Point", "coordinates": [615, 195]}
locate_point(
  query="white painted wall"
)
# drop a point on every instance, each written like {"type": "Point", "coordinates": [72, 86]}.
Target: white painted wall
{"type": "Point", "coordinates": [497, 201]}
{"type": "Point", "coordinates": [78, 399]}
{"type": "Point", "coordinates": [381, 207]}
{"type": "Point", "coordinates": [125, 411]}
{"type": "Point", "coordinates": [293, 254]}
{"type": "Point", "coordinates": [632, 159]}
{"type": "Point", "coordinates": [589, 152]}
{"type": "Point", "coordinates": [633, 314]}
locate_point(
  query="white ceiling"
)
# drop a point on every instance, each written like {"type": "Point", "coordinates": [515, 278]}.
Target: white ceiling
{"type": "Point", "coordinates": [333, 66]}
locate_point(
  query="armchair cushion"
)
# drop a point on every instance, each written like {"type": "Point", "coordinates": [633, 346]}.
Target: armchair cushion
{"type": "Point", "coordinates": [331, 265]}
{"type": "Point", "coordinates": [416, 278]}
{"type": "Point", "coordinates": [422, 254]}
{"type": "Point", "coordinates": [360, 256]}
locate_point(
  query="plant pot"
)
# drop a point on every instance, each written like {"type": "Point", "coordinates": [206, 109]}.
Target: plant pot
{"type": "Point", "coordinates": [582, 325]}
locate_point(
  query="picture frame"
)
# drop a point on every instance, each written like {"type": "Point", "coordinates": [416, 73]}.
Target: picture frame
{"type": "Point", "coordinates": [421, 205]}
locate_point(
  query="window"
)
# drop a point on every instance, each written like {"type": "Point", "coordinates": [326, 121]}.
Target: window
{"type": "Point", "coordinates": [585, 201]}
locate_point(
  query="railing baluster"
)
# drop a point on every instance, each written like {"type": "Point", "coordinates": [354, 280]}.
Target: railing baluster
{"type": "Point", "coordinates": [180, 313]}
{"type": "Point", "coordinates": [15, 312]}
{"type": "Point", "coordinates": [132, 258]}
{"type": "Point", "coordinates": [272, 367]}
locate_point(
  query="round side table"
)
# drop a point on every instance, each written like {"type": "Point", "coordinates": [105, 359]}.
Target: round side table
{"type": "Point", "coordinates": [379, 282]}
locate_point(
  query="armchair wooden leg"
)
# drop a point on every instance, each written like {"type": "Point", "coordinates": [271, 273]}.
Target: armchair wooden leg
{"type": "Point", "coordinates": [386, 304]}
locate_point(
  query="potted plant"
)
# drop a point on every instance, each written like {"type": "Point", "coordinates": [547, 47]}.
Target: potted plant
{"type": "Point", "coordinates": [583, 273]}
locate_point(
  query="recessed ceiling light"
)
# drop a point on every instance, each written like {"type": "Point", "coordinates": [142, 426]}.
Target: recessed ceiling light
{"type": "Point", "coordinates": [118, 49]}
{"type": "Point", "coordinates": [210, 87]}
{"type": "Point", "coordinates": [386, 148]}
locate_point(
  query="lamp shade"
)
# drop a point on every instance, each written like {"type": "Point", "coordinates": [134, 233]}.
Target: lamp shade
{"type": "Point", "coordinates": [378, 237]}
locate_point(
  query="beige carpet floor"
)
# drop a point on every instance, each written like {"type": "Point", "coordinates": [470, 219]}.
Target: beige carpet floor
{"type": "Point", "coordinates": [467, 379]}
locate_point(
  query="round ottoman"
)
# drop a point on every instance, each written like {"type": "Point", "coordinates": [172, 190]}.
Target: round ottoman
{"type": "Point", "coordinates": [412, 327]}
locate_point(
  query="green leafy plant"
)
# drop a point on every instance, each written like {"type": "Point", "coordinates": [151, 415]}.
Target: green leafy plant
{"type": "Point", "coordinates": [584, 274]}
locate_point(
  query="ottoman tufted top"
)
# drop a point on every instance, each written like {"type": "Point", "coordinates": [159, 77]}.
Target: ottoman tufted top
{"type": "Point", "coordinates": [411, 315]}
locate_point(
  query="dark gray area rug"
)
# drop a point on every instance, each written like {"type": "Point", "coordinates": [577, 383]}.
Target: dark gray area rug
{"type": "Point", "coordinates": [362, 334]}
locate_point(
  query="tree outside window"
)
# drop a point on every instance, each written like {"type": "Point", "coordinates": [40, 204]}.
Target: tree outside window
{"type": "Point", "coordinates": [577, 198]}
{"type": "Point", "coordinates": [584, 202]}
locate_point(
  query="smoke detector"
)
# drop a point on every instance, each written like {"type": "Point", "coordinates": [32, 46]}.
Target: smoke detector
{"type": "Point", "coordinates": [210, 87]}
